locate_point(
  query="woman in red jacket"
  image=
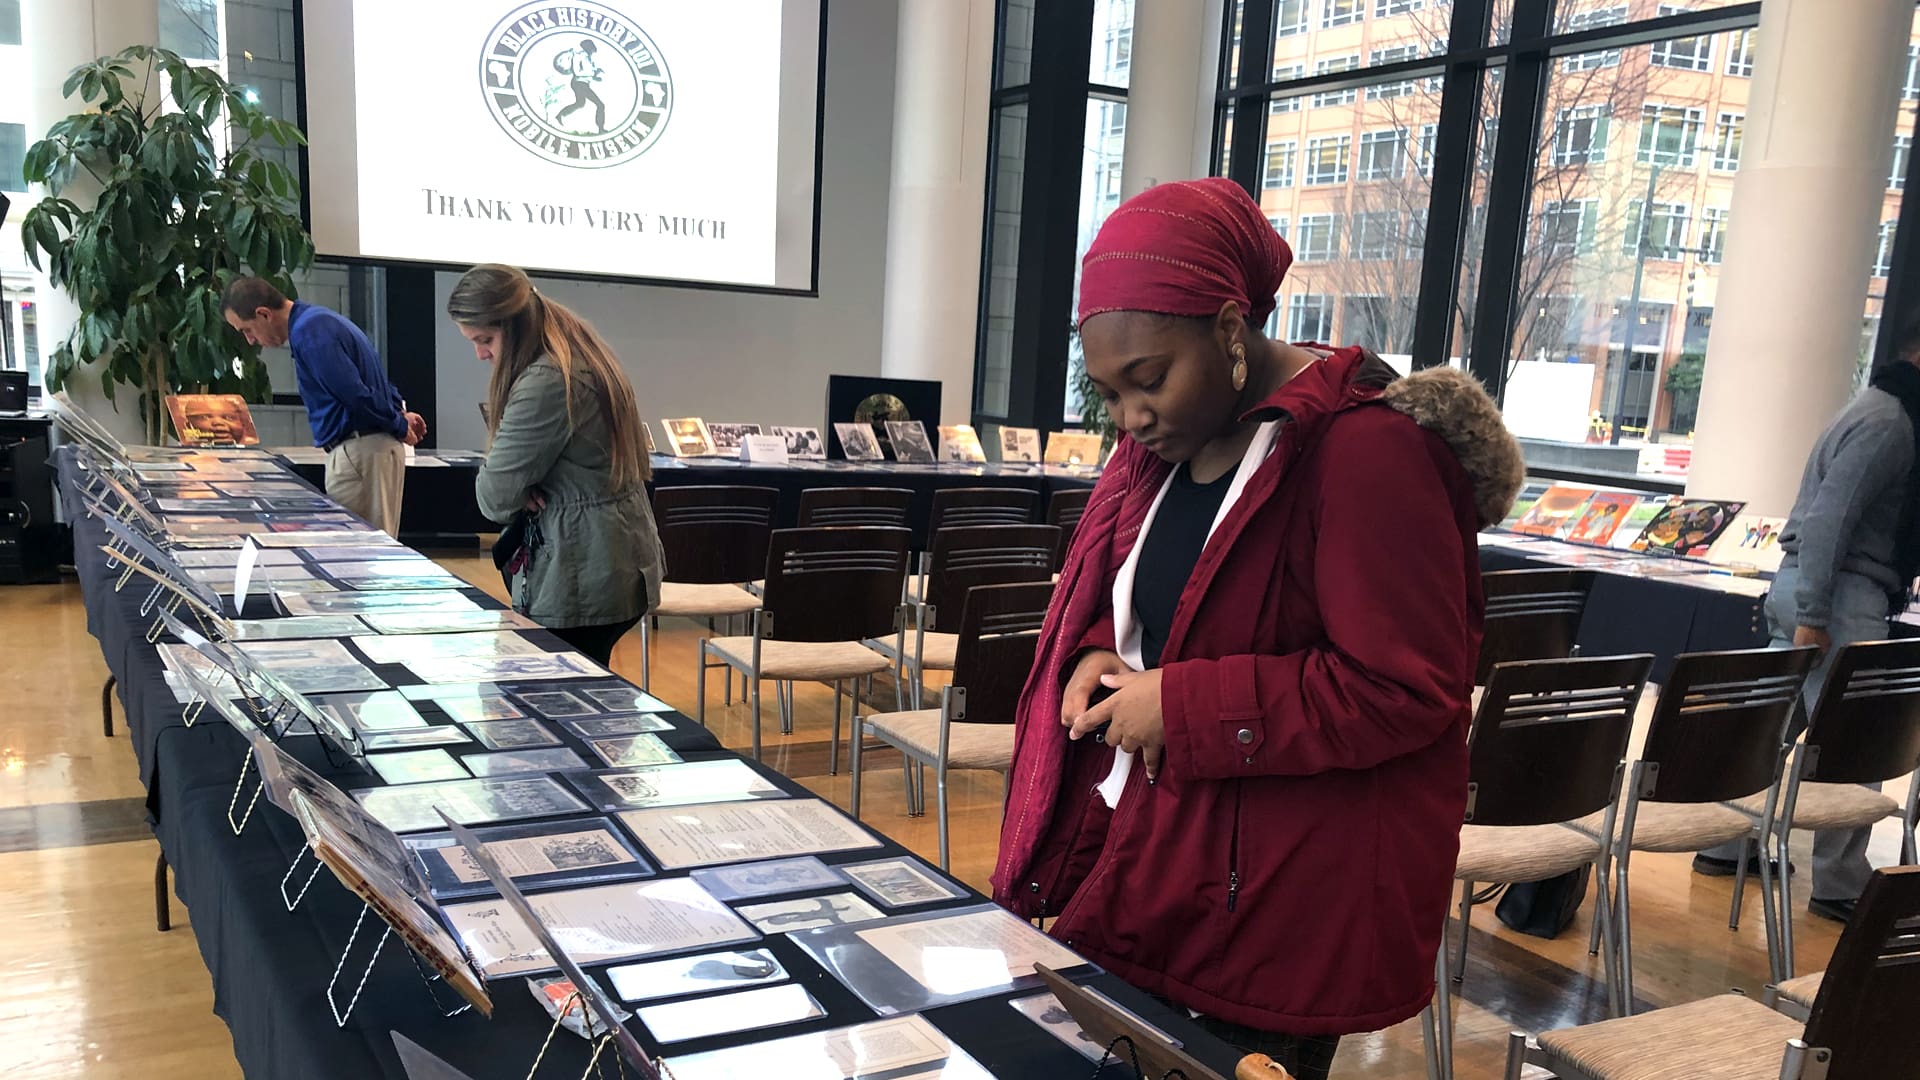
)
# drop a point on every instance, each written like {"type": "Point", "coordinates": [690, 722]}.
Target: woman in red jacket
{"type": "Point", "coordinates": [1277, 587]}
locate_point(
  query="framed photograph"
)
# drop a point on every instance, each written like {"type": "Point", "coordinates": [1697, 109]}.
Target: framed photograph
{"type": "Point", "coordinates": [512, 734]}
{"type": "Point", "coordinates": [409, 738]}
{"type": "Point", "coordinates": [583, 851]}
{"type": "Point", "coordinates": [508, 762]}
{"type": "Point", "coordinates": [865, 399]}
{"type": "Point", "coordinates": [1074, 449]}
{"type": "Point", "coordinates": [960, 445]}
{"type": "Point", "coordinates": [555, 704]}
{"type": "Point", "coordinates": [775, 877]}
{"type": "Point", "coordinates": [417, 766]}
{"type": "Point", "coordinates": [910, 443]}
{"type": "Point", "coordinates": [405, 648]}
{"type": "Point", "coordinates": [623, 751]}
{"type": "Point", "coordinates": [295, 627]}
{"type": "Point", "coordinates": [478, 708]}
{"type": "Point", "coordinates": [733, 832]}
{"type": "Point", "coordinates": [606, 727]}
{"type": "Point", "coordinates": [901, 882]}
{"type": "Point", "coordinates": [479, 669]}
{"type": "Point", "coordinates": [212, 420]}
{"type": "Point", "coordinates": [699, 974]}
{"type": "Point", "coordinates": [1046, 1011]}
{"type": "Point", "coordinates": [688, 437]}
{"type": "Point", "coordinates": [416, 807]}
{"type": "Point", "coordinates": [858, 443]}
{"type": "Point", "coordinates": [728, 437]}
{"type": "Point", "coordinates": [723, 1014]}
{"type": "Point", "coordinates": [446, 622]}
{"type": "Point", "coordinates": [810, 913]}
{"type": "Point", "coordinates": [692, 782]}
{"type": "Point", "coordinates": [803, 443]}
{"type": "Point", "coordinates": [624, 699]}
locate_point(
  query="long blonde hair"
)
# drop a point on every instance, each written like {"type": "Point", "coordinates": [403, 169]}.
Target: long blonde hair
{"type": "Point", "coordinates": [503, 299]}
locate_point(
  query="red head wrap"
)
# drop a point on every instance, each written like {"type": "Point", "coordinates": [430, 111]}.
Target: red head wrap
{"type": "Point", "coordinates": [1185, 248]}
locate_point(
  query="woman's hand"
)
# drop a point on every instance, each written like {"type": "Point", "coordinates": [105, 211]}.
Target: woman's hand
{"type": "Point", "coordinates": [536, 501]}
{"type": "Point", "coordinates": [1085, 680]}
{"type": "Point", "coordinates": [1132, 715]}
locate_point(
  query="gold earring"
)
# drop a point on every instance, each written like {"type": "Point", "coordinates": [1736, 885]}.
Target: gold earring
{"type": "Point", "coordinates": [1239, 368]}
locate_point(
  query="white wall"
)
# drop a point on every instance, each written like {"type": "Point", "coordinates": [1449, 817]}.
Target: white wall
{"type": "Point", "coordinates": [741, 357]}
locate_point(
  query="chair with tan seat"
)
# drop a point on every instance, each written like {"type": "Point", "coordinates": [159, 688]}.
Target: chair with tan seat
{"type": "Point", "coordinates": [1865, 729]}
{"type": "Point", "coordinates": [1714, 737]}
{"type": "Point", "coordinates": [1795, 997]}
{"type": "Point", "coordinates": [959, 559]}
{"type": "Point", "coordinates": [714, 539]}
{"type": "Point", "coordinates": [1064, 510]}
{"type": "Point", "coordinates": [827, 590]}
{"type": "Point", "coordinates": [1545, 752]}
{"type": "Point", "coordinates": [998, 628]}
{"type": "Point", "coordinates": [1859, 1025]}
{"type": "Point", "coordinates": [1531, 615]}
{"type": "Point", "coordinates": [966, 508]}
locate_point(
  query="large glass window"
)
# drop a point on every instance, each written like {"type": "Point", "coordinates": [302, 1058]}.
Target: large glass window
{"type": "Point", "coordinates": [1310, 318]}
{"type": "Point", "coordinates": [1383, 154]}
{"type": "Point", "coordinates": [1580, 135]}
{"type": "Point", "coordinates": [9, 22]}
{"type": "Point", "coordinates": [1318, 238]}
{"type": "Point", "coordinates": [1279, 174]}
{"type": "Point", "coordinates": [1897, 174]}
{"type": "Point", "coordinates": [1329, 66]}
{"type": "Point", "coordinates": [1740, 55]}
{"type": "Point", "coordinates": [1726, 141]}
{"type": "Point", "coordinates": [1669, 134]}
{"type": "Point", "coordinates": [1003, 258]}
{"type": "Point", "coordinates": [13, 156]}
{"type": "Point", "coordinates": [1290, 17]}
{"type": "Point", "coordinates": [1327, 159]}
{"type": "Point", "coordinates": [1341, 12]}
{"type": "Point", "coordinates": [1685, 54]}
{"type": "Point", "coordinates": [191, 28]}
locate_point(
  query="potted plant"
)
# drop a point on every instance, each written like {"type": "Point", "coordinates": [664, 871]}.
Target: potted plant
{"type": "Point", "coordinates": [186, 201]}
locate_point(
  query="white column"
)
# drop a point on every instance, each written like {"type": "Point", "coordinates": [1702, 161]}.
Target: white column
{"type": "Point", "coordinates": [58, 36]}
{"type": "Point", "coordinates": [1802, 229]}
{"type": "Point", "coordinates": [937, 198]}
{"type": "Point", "coordinates": [1164, 93]}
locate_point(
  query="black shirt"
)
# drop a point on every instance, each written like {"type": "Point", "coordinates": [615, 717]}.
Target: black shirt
{"type": "Point", "coordinates": [1168, 553]}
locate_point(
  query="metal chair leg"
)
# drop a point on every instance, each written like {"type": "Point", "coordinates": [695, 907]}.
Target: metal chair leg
{"type": "Point", "coordinates": [1430, 1039]}
{"type": "Point", "coordinates": [1740, 880]}
{"type": "Point", "coordinates": [1466, 926]}
{"type": "Point", "coordinates": [1623, 930]}
{"type": "Point", "coordinates": [1770, 916]}
{"type": "Point", "coordinates": [1516, 1055]}
{"type": "Point", "coordinates": [854, 760]}
{"type": "Point", "coordinates": [646, 655]}
{"type": "Point", "coordinates": [754, 687]}
{"type": "Point", "coordinates": [106, 708]}
{"type": "Point", "coordinates": [700, 686]}
{"type": "Point", "coordinates": [906, 766]}
{"type": "Point", "coordinates": [1785, 894]}
{"type": "Point", "coordinates": [1443, 1012]}
{"type": "Point", "coordinates": [162, 914]}
{"type": "Point", "coordinates": [833, 752]}
{"type": "Point", "coordinates": [940, 807]}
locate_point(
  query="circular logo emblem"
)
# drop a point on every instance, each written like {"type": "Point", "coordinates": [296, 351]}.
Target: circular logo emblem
{"type": "Point", "coordinates": [577, 83]}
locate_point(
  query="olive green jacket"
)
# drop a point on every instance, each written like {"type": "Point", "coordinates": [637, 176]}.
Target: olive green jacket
{"type": "Point", "coordinates": [601, 561]}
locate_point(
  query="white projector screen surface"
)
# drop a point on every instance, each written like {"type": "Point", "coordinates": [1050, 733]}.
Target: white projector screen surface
{"type": "Point", "coordinates": [657, 139]}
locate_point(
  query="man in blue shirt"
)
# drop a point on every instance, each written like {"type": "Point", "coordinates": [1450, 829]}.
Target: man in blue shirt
{"type": "Point", "coordinates": [357, 416]}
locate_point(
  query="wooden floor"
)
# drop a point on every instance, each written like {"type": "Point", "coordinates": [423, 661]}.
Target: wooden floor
{"type": "Point", "coordinates": [90, 990]}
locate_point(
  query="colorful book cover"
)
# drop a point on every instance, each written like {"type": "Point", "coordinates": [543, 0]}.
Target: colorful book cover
{"type": "Point", "coordinates": [1637, 519]}
{"type": "Point", "coordinates": [1601, 519]}
{"type": "Point", "coordinates": [1555, 512]}
{"type": "Point", "coordinates": [212, 420]}
{"type": "Point", "coordinates": [1687, 527]}
{"type": "Point", "coordinates": [1752, 540]}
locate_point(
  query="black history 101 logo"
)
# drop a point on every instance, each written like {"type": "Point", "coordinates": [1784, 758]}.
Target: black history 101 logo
{"type": "Point", "coordinates": [576, 83]}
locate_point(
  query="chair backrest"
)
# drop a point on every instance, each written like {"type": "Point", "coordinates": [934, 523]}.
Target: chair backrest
{"type": "Point", "coordinates": [1866, 725]}
{"type": "Point", "coordinates": [1531, 615]}
{"type": "Point", "coordinates": [1547, 742]}
{"type": "Point", "coordinates": [833, 584]}
{"type": "Point", "coordinates": [983, 555]}
{"type": "Point", "coordinates": [1716, 734]}
{"type": "Point", "coordinates": [999, 630]}
{"type": "Point", "coordinates": [958, 508]}
{"type": "Point", "coordinates": [1065, 509]}
{"type": "Point", "coordinates": [837, 506]}
{"type": "Point", "coordinates": [712, 535]}
{"type": "Point", "coordinates": [1863, 1016]}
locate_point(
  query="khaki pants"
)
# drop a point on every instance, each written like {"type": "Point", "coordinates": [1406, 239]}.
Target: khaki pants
{"type": "Point", "coordinates": [366, 475]}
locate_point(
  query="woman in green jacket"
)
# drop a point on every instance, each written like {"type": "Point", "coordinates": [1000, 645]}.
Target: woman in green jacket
{"type": "Point", "coordinates": [565, 448]}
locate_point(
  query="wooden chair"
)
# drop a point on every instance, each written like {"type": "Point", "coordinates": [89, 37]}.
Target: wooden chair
{"type": "Point", "coordinates": [827, 590]}
{"type": "Point", "coordinates": [863, 506]}
{"type": "Point", "coordinates": [1531, 615]}
{"type": "Point", "coordinates": [1714, 737]}
{"type": "Point", "coordinates": [1859, 1024]}
{"type": "Point", "coordinates": [714, 540]}
{"type": "Point", "coordinates": [1064, 510]}
{"type": "Point", "coordinates": [1865, 729]}
{"type": "Point", "coordinates": [959, 508]}
{"type": "Point", "coordinates": [1545, 752]}
{"type": "Point", "coordinates": [973, 727]}
{"type": "Point", "coordinates": [960, 559]}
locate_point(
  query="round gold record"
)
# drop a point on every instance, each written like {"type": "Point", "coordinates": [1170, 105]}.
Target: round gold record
{"type": "Point", "coordinates": [880, 408]}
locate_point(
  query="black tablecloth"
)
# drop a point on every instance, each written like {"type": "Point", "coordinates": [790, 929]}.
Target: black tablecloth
{"type": "Point", "coordinates": [270, 966]}
{"type": "Point", "coordinates": [1662, 616]}
{"type": "Point", "coordinates": [438, 503]}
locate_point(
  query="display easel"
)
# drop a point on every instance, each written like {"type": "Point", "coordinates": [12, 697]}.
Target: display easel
{"type": "Point", "coordinates": [1127, 1038]}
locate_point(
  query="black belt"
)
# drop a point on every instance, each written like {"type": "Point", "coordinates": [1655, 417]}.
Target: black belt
{"type": "Point", "coordinates": [344, 439]}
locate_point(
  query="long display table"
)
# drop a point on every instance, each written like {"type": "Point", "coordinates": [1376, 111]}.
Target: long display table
{"type": "Point", "coordinates": [270, 966]}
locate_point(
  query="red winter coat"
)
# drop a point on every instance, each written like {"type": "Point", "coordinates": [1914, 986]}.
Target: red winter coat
{"type": "Point", "coordinates": [1291, 869]}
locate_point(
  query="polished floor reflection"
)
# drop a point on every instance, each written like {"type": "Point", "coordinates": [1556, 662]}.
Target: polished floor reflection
{"type": "Point", "coordinates": [92, 990]}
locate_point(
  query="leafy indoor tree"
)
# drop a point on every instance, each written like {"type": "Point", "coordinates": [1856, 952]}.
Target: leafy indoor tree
{"type": "Point", "coordinates": [185, 203]}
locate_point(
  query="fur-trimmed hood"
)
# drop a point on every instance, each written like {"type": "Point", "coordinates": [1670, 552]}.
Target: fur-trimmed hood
{"type": "Point", "coordinates": [1453, 405]}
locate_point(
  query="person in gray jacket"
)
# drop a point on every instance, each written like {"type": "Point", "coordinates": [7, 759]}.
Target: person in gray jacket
{"type": "Point", "coordinates": [1852, 552]}
{"type": "Point", "coordinates": [566, 462]}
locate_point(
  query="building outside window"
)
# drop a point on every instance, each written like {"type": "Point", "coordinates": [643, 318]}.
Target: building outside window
{"type": "Point", "coordinates": [1726, 141]}
{"type": "Point", "coordinates": [1327, 159]}
{"type": "Point", "coordinates": [1318, 238]}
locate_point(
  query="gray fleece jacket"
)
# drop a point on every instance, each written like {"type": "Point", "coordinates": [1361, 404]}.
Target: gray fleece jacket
{"type": "Point", "coordinates": [1848, 511]}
